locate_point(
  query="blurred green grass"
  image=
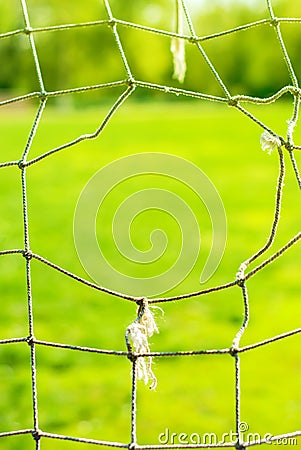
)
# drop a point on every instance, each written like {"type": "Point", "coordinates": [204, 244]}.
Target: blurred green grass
{"type": "Point", "coordinates": [89, 395]}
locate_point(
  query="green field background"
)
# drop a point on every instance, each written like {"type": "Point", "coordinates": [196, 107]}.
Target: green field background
{"type": "Point", "coordinates": [88, 395]}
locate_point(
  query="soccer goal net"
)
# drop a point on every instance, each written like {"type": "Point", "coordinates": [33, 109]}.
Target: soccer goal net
{"type": "Point", "coordinates": [168, 106]}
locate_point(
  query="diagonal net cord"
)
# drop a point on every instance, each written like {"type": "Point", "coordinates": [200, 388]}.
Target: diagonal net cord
{"type": "Point", "coordinates": [130, 84]}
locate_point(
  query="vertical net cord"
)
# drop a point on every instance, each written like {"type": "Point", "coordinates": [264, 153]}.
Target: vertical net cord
{"type": "Point", "coordinates": [295, 167]}
{"type": "Point", "coordinates": [271, 238]}
{"type": "Point", "coordinates": [235, 354]}
{"type": "Point", "coordinates": [30, 341]}
{"type": "Point", "coordinates": [244, 325]}
{"type": "Point", "coordinates": [28, 30]}
{"type": "Point", "coordinates": [293, 120]}
{"type": "Point", "coordinates": [32, 133]}
{"type": "Point", "coordinates": [237, 402]}
{"type": "Point", "coordinates": [118, 42]}
{"type": "Point", "coordinates": [134, 405]}
{"type": "Point", "coordinates": [202, 51]}
{"type": "Point", "coordinates": [27, 251]}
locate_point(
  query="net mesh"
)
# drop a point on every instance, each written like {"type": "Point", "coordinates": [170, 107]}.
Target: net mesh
{"type": "Point", "coordinates": [269, 140]}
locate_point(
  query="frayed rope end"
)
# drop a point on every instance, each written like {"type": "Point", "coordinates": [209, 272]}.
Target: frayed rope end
{"type": "Point", "coordinates": [269, 142]}
{"type": "Point", "coordinates": [139, 331]}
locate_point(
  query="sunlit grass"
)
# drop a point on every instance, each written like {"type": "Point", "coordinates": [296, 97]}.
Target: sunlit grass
{"type": "Point", "coordinates": [89, 395]}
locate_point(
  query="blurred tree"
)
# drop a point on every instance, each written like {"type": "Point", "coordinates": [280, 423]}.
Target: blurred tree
{"type": "Point", "coordinates": [249, 62]}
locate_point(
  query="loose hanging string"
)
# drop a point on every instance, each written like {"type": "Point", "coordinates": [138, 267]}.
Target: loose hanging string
{"type": "Point", "coordinates": [178, 45]}
{"type": "Point", "coordinates": [139, 331]}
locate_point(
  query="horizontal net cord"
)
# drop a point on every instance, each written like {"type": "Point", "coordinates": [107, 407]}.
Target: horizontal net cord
{"type": "Point", "coordinates": [39, 433]}
{"type": "Point", "coordinates": [230, 284]}
{"type": "Point", "coordinates": [231, 351]}
{"type": "Point", "coordinates": [15, 433]}
{"type": "Point", "coordinates": [20, 98]}
{"type": "Point", "coordinates": [86, 136]}
{"type": "Point", "coordinates": [9, 164]}
{"type": "Point", "coordinates": [222, 351]}
{"type": "Point", "coordinates": [11, 252]}
{"type": "Point", "coordinates": [127, 353]}
{"type": "Point", "coordinates": [179, 91]}
{"type": "Point", "coordinates": [269, 340]}
{"type": "Point", "coordinates": [164, 88]}
{"type": "Point", "coordinates": [80, 348]}
{"type": "Point", "coordinates": [109, 291]}
{"type": "Point", "coordinates": [274, 21]}
{"type": "Point", "coordinates": [13, 340]}
{"type": "Point", "coordinates": [134, 83]}
{"type": "Point", "coordinates": [84, 281]}
{"type": "Point", "coordinates": [82, 440]}
{"type": "Point", "coordinates": [233, 102]}
{"type": "Point", "coordinates": [127, 24]}
{"type": "Point", "coordinates": [182, 446]}
{"type": "Point", "coordinates": [295, 91]}
{"type": "Point", "coordinates": [76, 90]}
{"type": "Point", "coordinates": [42, 434]}
{"type": "Point", "coordinates": [269, 260]}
